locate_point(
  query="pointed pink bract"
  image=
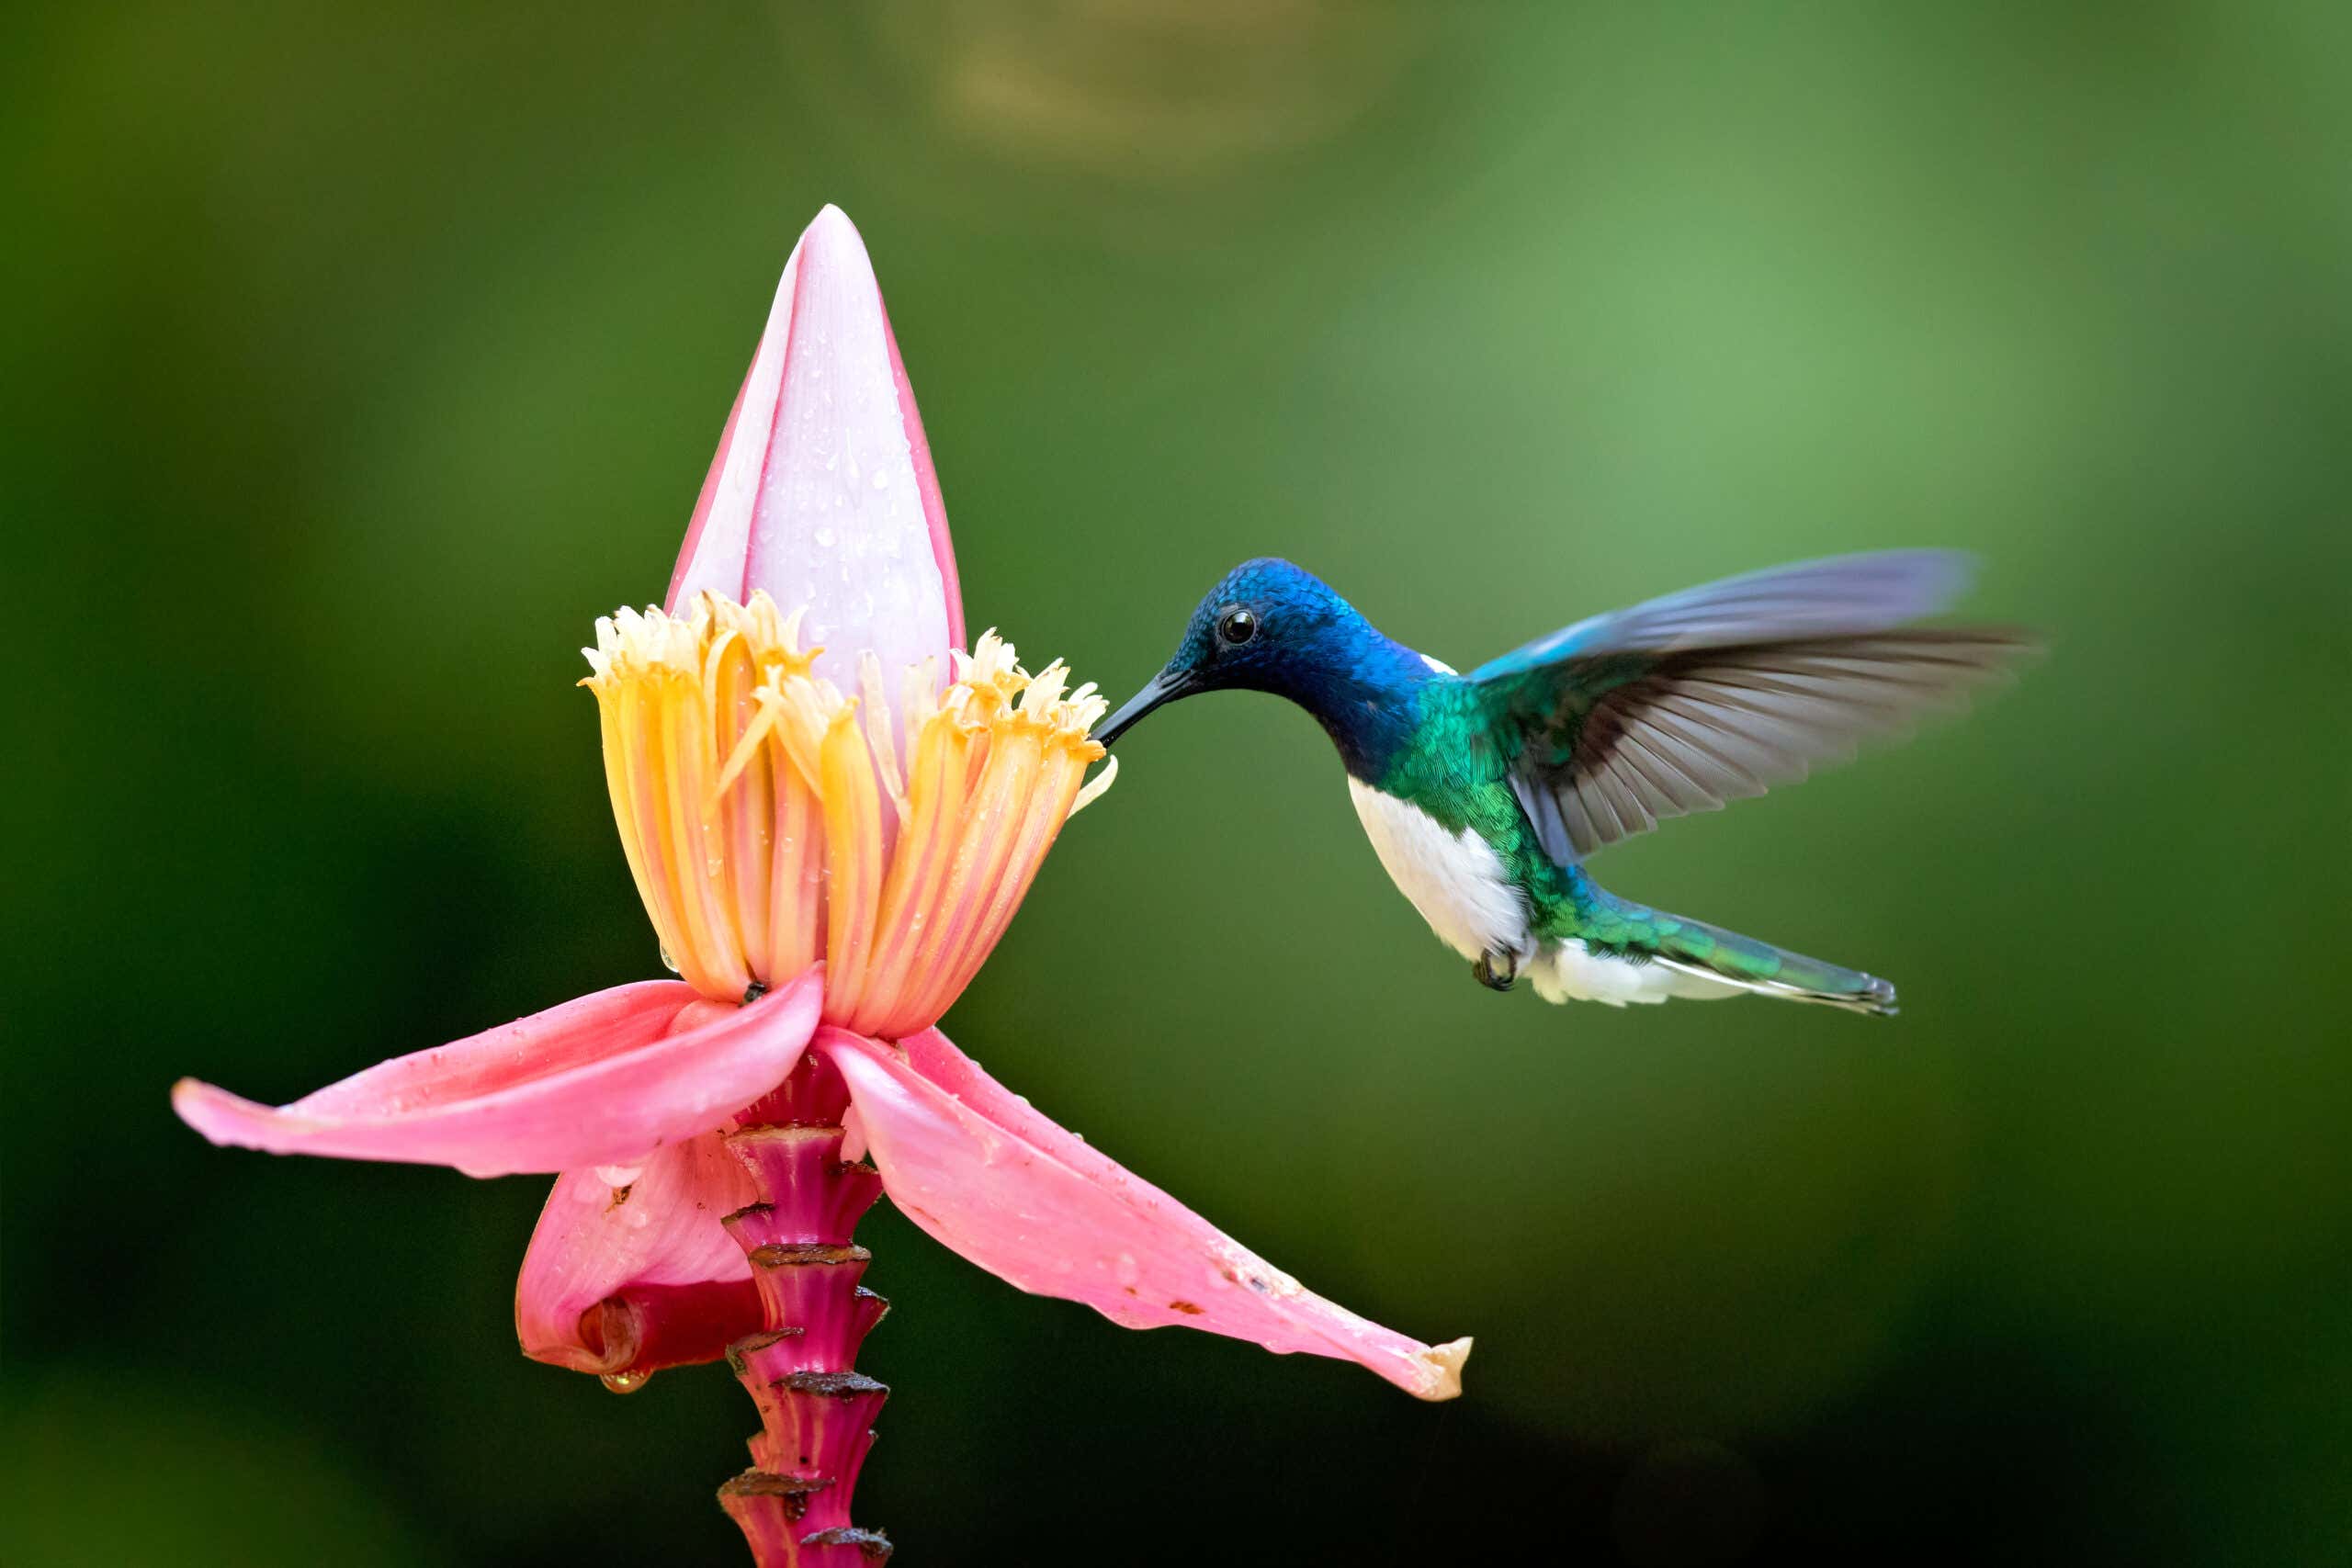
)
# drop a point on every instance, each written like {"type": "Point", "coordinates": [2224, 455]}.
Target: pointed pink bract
{"type": "Point", "coordinates": [598, 1080]}
{"type": "Point", "coordinates": [1032, 1204]}
{"type": "Point", "coordinates": [934, 505]}
{"type": "Point", "coordinates": [822, 492]}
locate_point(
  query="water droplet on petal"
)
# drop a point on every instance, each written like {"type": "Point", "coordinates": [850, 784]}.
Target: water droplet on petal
{"type": "Point", "coordinates": [1125, 1270]}
{"type": "Point", "coordinates": [824, 537]}
{"type": "Point", "coordinates": [667, 961]}
{"type": "Point", "coordinates": [626, 1382]}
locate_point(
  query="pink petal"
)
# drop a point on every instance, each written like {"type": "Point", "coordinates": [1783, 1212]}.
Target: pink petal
{"type": "Point", "coordinates": [637, 1277]}
{"type": "Point", "coordinates": [599, 1080]}
{"type": "Point", "coordinates": [822, 490]}
{"type": "Point", "coordinates": [994, 1180]}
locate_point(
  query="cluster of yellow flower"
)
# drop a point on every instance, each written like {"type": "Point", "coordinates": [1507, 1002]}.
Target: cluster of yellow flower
{"type": "Point", "coordinates": [772, 821]}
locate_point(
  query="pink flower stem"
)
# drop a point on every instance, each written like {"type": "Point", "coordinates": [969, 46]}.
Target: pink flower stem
{"type": "Point", "coordinates": [816, 1412]}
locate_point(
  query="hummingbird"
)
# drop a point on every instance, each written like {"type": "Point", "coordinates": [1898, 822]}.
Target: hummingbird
{"type": "Point", "coordinates": [1485, 794]}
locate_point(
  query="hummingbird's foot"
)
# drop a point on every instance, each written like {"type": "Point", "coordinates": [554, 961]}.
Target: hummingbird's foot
{"type": "Point", "coordinates": [1496, 970]}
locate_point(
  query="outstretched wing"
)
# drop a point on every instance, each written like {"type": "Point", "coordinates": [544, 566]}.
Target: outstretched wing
{"type": "Point", "coordinates": [1714, 695]}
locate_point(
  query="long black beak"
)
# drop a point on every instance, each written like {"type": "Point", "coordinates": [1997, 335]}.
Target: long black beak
{"type": "Point", "coordinates": [1161, 688]}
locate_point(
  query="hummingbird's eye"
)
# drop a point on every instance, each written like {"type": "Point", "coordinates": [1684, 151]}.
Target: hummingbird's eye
{"type": "Point", "coordinates": [1236, 628]}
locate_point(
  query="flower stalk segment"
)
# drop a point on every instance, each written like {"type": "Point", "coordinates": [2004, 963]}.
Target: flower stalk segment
{"type": "Point", "coordinates": [816, 1411]}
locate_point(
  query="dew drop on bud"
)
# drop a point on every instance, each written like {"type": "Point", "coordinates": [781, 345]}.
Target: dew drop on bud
{"type": "Point", "coordinates": [626, 1382]}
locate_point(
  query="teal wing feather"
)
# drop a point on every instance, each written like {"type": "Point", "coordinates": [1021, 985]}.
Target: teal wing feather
{"type": "Point", "coordinates": [1685, 702]}
{"type": "Point", "coordinates": [1838, 595]}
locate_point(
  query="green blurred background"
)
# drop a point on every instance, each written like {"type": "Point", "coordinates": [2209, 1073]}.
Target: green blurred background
{"type": "Point", "coordinates": [360, 357]}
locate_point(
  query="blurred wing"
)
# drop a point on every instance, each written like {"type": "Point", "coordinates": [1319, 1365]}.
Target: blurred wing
{"type": "Point", "coordinates": [1836, 596]}
{"type": "Point", "coordinates": [1685, 702]}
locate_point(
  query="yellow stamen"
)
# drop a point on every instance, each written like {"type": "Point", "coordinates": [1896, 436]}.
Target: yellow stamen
{"type": "Point", "coordinates": [770, 820]}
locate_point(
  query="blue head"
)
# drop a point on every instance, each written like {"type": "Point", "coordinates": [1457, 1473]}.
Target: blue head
{"type": "Point", "coordinates": [1272, 626]}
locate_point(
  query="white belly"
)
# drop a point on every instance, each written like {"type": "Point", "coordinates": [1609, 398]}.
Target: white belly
{"type": "Point", "coordinates": [1565, 971]}
{"type": "Point", "coordinates": [1455, 880]}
